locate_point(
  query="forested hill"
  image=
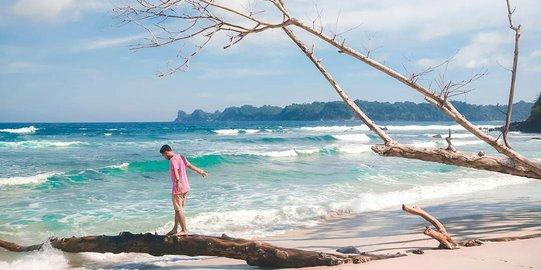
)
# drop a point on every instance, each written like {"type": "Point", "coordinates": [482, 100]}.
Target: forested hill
{"type": "Point", "coordinates": [533, 122]}
{"type": "Point", "coordinates": [337, 110]}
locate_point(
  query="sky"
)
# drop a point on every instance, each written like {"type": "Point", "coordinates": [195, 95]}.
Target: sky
{"type": "Point", "coordinates": [71, 61]}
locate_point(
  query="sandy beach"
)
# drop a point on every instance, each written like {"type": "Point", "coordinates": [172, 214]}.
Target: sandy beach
{"type": "Point", "coordinates": [509, 211]}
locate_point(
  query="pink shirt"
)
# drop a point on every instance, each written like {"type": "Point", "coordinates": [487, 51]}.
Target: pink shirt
{"type": "Point", "coordinates": [179, 163]}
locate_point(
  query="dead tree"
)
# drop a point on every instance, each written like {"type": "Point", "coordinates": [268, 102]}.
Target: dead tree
{"type": "Point", "coordinates": [204, 20]}
{"type": "Point", "coordinates": [255, 253]}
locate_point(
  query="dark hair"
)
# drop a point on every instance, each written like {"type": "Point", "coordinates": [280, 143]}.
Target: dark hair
{"type": "Point", "coordinates": [165, 148]}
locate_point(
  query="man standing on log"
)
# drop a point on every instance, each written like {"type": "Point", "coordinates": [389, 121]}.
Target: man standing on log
{"type": "Point", "coordinates": [181, 186]}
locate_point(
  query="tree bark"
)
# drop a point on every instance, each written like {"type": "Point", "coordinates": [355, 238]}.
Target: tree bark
{"type": "Point", "coordinates": [255, 253]}
{"type": "Point", "coordinates": [440, 234]}
{"type": "Point", "coordinates": [471, 160]}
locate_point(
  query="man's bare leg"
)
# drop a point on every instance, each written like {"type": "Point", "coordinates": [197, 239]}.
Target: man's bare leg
{"type": "Point", "coordinates": [175, 227]}
{"type": "Point", "coordinates": [182, 221]}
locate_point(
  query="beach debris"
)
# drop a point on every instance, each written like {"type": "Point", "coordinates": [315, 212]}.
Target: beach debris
{"type": "Point", "coordinates": [450, 146]}
{"type": "Point", "coordinates": [472, 243]}
{"type": "Point", "coordinates": [440, 233]}
{"type": "Point", "coordinates": [348, 250]}
{"type": "Point", "coordinates": [418, 252]}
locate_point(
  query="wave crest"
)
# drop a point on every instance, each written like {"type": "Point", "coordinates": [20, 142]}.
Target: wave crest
{"type": "Point", "coordinates": [23, 130]}
{"type": "Point", "coordinates": [26, 180]}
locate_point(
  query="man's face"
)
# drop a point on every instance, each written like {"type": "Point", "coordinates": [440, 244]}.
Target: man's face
{"type": "Point", "coordinates": [167, 154]}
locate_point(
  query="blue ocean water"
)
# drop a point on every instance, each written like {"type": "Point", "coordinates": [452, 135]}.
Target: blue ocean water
{"type": "Point", "coordinates": [265, 177]}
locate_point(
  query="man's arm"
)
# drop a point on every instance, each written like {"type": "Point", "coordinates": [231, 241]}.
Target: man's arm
{"type": "Point", "coordinates": [177, 179]}
{"type": "Point", "coordinates": [198, 170]}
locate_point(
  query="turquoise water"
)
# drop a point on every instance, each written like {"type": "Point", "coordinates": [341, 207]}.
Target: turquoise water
{"type": "Point", "coordinates": [265, 177]}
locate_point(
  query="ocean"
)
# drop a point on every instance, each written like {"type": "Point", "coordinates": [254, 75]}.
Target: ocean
{"type": "Point", "coordinates": [266, 178]}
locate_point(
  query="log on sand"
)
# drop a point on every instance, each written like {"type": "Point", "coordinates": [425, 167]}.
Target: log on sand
{"type": "Point", "coordinates": [255, 253]}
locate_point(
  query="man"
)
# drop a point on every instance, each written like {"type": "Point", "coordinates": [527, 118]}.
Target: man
{"type": "Point", "coordinates": [181, 186]}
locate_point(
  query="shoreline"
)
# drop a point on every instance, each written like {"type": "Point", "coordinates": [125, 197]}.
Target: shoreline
{"type": "Point", "coordinates": [512, 210]}
{"type": "Point", "coordinates": [505, 211]}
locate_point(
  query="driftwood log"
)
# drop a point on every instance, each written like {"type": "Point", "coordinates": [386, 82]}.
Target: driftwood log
{"type": "Point", "coordinates": [255, 253]}
{"type": "Point", "coordinates": [440, 233]}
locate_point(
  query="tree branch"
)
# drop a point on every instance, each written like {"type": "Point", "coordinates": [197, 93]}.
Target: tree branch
{"type": "Point", "coordinates": [516, 29]}
{"type": "Point", "coordinates": [350, 103]}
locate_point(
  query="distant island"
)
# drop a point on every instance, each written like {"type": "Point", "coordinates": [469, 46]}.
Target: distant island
{"type": "Point", "coordinates": [337, 110]}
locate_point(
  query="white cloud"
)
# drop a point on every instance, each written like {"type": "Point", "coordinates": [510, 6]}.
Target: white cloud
{"type": "Point", "coordinates": [484, 49]}
{"type": "Point", "coordinates": [22, 67]}
{"type": "Point", "coordinates": [429, 62]}
{"type": "Point", "coordinates": [55, 10]}
{"type": "Point", "coordinates": [416, 20]}
{"type": "Point", "coordinates": [536, 53]}
{"type": "Point", "coordinates": [232, 72]}
{"type": "Point", "coordinates": [534, 69]}
{"type": "Point", "coordinates": [97, 44]}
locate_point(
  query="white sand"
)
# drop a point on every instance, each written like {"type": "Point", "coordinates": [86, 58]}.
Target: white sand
{"type": "Point", "coordinates": [508, 211]}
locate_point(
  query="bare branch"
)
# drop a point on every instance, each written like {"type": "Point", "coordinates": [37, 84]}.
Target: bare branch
{"type": "Point", "coordinates": [205, 19]}
{"type": "Point", "coordinates": [516, 29]}
{"type": "Point", "coordinates": [371, 124]}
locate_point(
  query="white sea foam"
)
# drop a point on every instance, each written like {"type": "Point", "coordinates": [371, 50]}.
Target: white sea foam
{"type": "Point", "coordinates": [254, 222]}
{"type": "Point", "coordinates": [436, 144]}
{"type": "Point", "coordinates": [108, 134]}
{"type": "Point", "coordinates": [426, 144]}
{"type": "Point", "coordinates": [307, 151]}
{"type": "Point", "coordinates": [458, 143]}
{"type": "Point", "coordinates": [285, 153]}
{"type": "Point", "coordinates": [122, 166]}
{"type": "Point", "coordinates": [378, 201]}
{"type": "Point", "coordinates": [39, 144]}
{"type": "Point", "coordinates": [226, 131]}
{"type": "Point", "coordinates": [264, 222]}
{"type": "Point", "coordinates": [30, 129]}
{"type": "Point", "coordinates": [236, 131]}
{"type": "Point", "coordinates": [355, 149]}
{"type": "Point", "coordinates": [433, 127]}
{"type": "Point", "coordinates": [23, 180]}
{"type": "Point", "coordinates": [49, 258]}
{"type": "Point", "coordinates": [352, 137]}
{"type": "Point", "coordinates": [453, 135]}
{"type": "Point", "coordinates": [335, 128]}
{"type": "Point", "coordinates": [250, 131]}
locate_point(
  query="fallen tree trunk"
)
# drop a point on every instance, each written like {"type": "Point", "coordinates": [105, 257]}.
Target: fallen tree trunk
{"type": "Point", "coordinates": [471, 160]}
{"type": "Point", "coordinates": [255, 253]}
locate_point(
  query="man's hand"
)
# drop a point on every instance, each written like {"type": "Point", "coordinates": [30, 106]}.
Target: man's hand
{"type": "Point", "coordinates": [179, 187]}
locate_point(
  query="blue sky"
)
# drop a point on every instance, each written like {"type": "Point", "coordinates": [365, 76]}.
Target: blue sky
{"type": "Point", "coordinates": [67, 60]}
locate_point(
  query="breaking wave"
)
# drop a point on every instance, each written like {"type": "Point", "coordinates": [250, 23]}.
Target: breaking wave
{"type": "Point", "coordinates": [30, 129]}
{"type": "Point", "coordinates": [26, 180]}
